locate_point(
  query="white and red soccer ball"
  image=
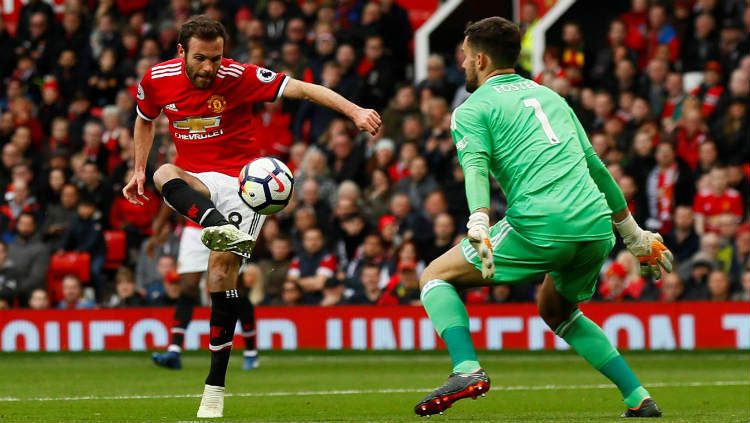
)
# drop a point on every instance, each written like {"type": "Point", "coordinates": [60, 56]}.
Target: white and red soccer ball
{"type": "Point", "coordinates": [266, 185]}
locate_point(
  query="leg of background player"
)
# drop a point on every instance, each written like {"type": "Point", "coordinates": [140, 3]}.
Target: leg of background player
{"type": "Point", "coordinates": [247, 323]}
{"type": "Point", "coordinates": [225, 307]}
{"type": "Point", "coordinates": [448, 314]}
{"type": "Point", "coordinates": [590, 342]}
{"type": "Point", "coordinates": [183, 314]}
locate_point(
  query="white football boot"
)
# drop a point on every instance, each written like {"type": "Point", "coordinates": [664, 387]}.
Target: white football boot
{"type": "Point", "coordinates": [228, 238]}
{"type": "Point", "coordinates": [212, 402]}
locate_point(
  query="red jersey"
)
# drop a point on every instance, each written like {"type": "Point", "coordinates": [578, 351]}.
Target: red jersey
{"type": "Point", "coordinates": [212, 128]}
{"type": "Point", "coordinates": [708, 204]}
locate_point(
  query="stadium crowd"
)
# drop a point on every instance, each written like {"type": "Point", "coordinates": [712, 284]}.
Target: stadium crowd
{"type": "Point", "coordinates": [665, 104]}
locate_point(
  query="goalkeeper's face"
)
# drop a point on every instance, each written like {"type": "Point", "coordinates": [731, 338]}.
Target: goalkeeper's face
{"type": "Point", "coordinates": [470, 67]}
{"type": "Point", "coordinates": [202, 60]}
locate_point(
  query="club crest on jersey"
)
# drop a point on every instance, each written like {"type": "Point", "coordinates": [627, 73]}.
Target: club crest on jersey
{"type": "Point", "coordinates": [216, 103]}
{"type": "Point", "coordinates": [264, 75]}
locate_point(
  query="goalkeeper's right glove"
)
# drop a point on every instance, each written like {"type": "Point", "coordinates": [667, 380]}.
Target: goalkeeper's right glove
{"type": "Point", "coordinates": [647, 246]}
{"type": "Point", "coordinates": [479, 238]}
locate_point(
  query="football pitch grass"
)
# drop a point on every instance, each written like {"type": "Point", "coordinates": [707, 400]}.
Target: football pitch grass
{"type": "Point", "coordinates": [365, 387]}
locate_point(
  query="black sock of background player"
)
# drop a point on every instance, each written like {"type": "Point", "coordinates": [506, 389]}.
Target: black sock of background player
{"type": "Point", "coordinates": [191, 203]}
{"type": "Point", "coordinates": [183, 314]}
{"type": "Point", "coordinates": [224, 306]}
{"type": "Point", "coordinates": [247, 322]}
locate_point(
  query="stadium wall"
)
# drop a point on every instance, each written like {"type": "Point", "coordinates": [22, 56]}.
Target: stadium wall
{"type": "Point", "coordinates": [633, 326]}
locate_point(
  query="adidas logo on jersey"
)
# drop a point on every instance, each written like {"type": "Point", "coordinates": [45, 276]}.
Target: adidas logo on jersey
{"type": "Point", "coordinates": [171, 106]}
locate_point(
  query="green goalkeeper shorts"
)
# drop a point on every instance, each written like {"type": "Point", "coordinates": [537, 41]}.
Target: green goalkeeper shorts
{"type": "Point", "coordinates": [573, 266]}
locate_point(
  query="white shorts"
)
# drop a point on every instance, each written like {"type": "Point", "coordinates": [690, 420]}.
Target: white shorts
{"type": "Point", "coordinates": [193, 255]}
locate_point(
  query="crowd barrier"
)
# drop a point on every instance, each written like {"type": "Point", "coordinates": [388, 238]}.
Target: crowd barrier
{"type": "Point", "coordinates": [631, 326]}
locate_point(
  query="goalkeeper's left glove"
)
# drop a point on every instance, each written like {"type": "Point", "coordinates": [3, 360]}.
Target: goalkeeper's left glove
{"type": "Point", "coordinates": [647, 246]}
{"type": "Point", "coordinates": [479, 237]}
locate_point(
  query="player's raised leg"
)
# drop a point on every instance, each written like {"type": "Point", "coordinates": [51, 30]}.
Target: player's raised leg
{"type": "Point", "coordinates": [590, 342]}
{"type": "Point", "coordinates": [448, 314]}
{"type": "Point", "coordinates": [225, 308]}
{"type": "Point", "coordinates": [183, 314]}
{"type": "Point", "coordinates": [191, 198]}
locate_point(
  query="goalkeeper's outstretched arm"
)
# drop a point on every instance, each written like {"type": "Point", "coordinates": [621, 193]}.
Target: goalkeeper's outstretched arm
{"type": "Point", "coordinates": [648, 247]}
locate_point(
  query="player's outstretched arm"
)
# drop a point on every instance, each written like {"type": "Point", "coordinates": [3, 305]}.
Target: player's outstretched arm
{"type": "Point", "coordinates": [647, 246]}
{"type": "Point", "coordinates": [143, 137]}
{"type": "Point", "coordinates": [473, 144]}
{"type": "Point", "coordinates": [365, 119]}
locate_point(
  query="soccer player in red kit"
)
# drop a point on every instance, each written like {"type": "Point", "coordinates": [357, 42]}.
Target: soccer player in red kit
{"type": "Point", "coordinates": [207, 99]}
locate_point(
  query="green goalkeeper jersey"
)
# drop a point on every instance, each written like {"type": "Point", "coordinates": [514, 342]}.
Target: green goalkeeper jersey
{"type": "Point", "coordinates": [528, 138]}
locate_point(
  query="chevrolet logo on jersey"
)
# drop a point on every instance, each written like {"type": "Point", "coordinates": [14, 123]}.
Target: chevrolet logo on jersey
{"type": "Point", "coordinates": [198, 125]}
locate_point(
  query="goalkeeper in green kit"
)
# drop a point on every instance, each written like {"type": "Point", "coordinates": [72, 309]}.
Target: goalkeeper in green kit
{"type": "Point", "coordinates": [561, 205]}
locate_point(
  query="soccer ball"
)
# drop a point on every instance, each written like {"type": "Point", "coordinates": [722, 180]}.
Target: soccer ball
{"type": "Point", "coordinates": [266, 185]}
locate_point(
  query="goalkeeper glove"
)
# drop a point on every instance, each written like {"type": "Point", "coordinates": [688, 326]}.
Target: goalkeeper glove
{"type": "Point", "coordinates": [479, 238]}
{"type": "Point", "coordinates": [647, 247]}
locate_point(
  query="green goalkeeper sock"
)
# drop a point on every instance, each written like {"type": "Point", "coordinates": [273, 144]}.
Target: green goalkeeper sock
{"type": "Point", "coordinates": [590, 342]}
{"type": "Point", "coordinates": [448, 315]}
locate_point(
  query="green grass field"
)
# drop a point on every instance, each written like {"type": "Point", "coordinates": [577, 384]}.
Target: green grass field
{"type": "Point", "coordinates": [364, 387]}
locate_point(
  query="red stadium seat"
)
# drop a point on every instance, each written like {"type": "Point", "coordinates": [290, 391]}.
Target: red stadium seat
{"type": "Point", "coordinates": [60, 265]}
{"type": "Point", "coordinates": [117, 249]}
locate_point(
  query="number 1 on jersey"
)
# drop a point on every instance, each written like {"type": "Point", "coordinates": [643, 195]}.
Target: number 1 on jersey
{"type": "Point", "coordinates": [539, 113]}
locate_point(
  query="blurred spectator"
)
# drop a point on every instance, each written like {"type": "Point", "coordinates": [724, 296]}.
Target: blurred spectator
{"type": "Point", "coordinates": [672, 289]}
{"type": "Point", "coordinates": [744, 293]}
{"type": "Point", "coordinates": [371, 251]}
{"type": "Point", "coordinates": [312, 267]}
{"type": "Point", "coordinates": [573, 55]}
{"type": "Point", "coordinates": [660, 33]}
{"type": "Point", "coordinates": [718, 286]}
{"type": "Point", "coordinates": [291, 294]}
{"type": "Point", "coordinates": [403, 288]}
{"type": "Point", "coordinates": [95, 187]}
{"type": "Point", "coordinates": [529, 18]}
{"type": "Point", "coordinates": [623, 280]}
{"type": "Point", "coordinates": [85, 235]}
{"type": "Point", "coordinates": [39, 300]}
{"type": "Point", "coordinates": [715, 201]}
{"type": "Point", "coordinates": [276, 268]}
{"type": "Point", "coordinates": [164, 289]}
{"type": "Point", "coordinates": [444, 229]}
{"type": "Point", "coordinates": [134, 219]}
{"type": "Point", "coordinates": [378, 193]}
{"type": "Point", "coordinates": [126, 294]}
{"type": "Point", "coordinates": [19, 201]}
{"type": "Point", "coordinates": [690, 134]}
{"type": "Point", "coordinates": [252, 284]}
{"type": "Point", "coordinates": [9, 285]}
{"type": "Point", "coordinates": [701, 45]}
{"type": "Point", "coordinates": [377, 73]}
{"type": "Point", "coordinates": [366, 289]}
{"type": "Point", "coordinates": [732, 132]}
{"type": "Point", "coordinates": [683, 241]}
{"type": "Point", "coordinates": [347, 159]}
{"type": "Point", "coordinates": [73, 295]}
{"type": "Point", "coordinates": [59, 216]}
{"type": "Point", "coordinates": [404, 103]}
{"type": "Point", "coordinates": [418, 184]}
{"type": "Point", "coordinates": [436, 80]}
{"type": "Point", "coordinates": [163, 242]}
{"type": "Point", "coordinates": [352, 231]}
{"type": "Point", "coordinates": [669, 185]}
{"type": "Point", "coordinates": [411, 224]}
{"type": "Point", "coordinates": [333, 292]}
{"type": "Point", "coordinates": [29, 257]}
{"type": "Point", "coordinates": [710, 90]}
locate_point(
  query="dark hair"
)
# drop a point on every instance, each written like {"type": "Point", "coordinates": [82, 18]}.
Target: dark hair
{"type": "Point", "coordinates": [203, 28]}
{"type": "Point", "coordinates": [498, 38]}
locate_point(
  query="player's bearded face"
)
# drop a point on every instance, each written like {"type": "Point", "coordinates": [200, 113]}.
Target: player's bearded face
{"type": "Point", "coordinates": [202, 60]}
{"type": "Point", "coordinates": [469, 65]}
